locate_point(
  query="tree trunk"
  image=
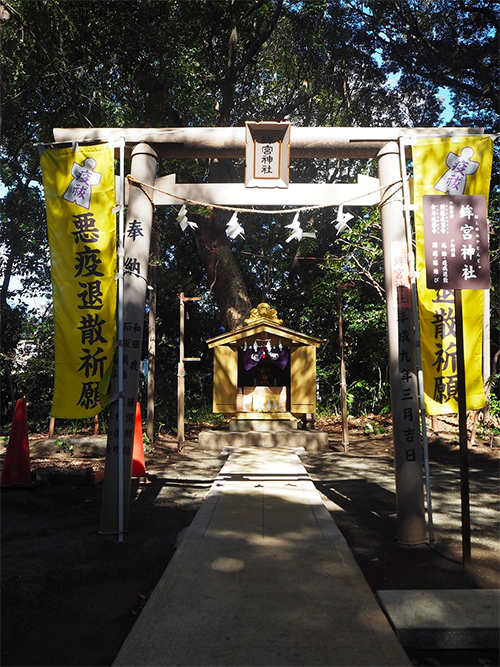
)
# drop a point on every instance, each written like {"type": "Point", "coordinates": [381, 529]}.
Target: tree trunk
{"type": "Point", "coordinates": [226, 281]}
{"type": "Point", "coordinates": [224, 275]}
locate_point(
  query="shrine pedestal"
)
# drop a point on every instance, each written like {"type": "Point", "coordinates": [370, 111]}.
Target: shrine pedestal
{"type": "Point", "coordinates": [311, 441]}
{"type": "Point", "coordinates": [263, 421]}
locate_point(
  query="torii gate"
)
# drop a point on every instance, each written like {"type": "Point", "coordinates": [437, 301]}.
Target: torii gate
{"type": "Point", "coordinates": [387, 146]}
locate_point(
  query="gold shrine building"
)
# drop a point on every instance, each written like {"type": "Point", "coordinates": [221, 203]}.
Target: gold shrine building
{"type": "Point", "coordinates": [264, 374]}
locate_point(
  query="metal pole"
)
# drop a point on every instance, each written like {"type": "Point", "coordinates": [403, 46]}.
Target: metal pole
{"type": "Point", "coordinates": [462, 426]}
{"type": "Point", "coordinates": [486, 350]}
{"type": "Point", "coordinates": [152, 338]}
{"type": "Point", "coordinates": [404, 394]}
{"type": "Point", "coordinates": [120, 250]}
{"type": "Point", "coordinates": [181, 374]}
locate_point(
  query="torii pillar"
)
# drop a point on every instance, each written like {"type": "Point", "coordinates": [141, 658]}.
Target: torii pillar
{"type": "Point", "coordinates": [402, 366]}
{"type": "Point", "coordinates": [116, 492]}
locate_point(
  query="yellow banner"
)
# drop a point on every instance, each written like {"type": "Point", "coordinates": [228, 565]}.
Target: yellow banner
{"type": "Point", "coordinates": [450, 166]}
{"type": "Point", "coordinates": [79, 197]}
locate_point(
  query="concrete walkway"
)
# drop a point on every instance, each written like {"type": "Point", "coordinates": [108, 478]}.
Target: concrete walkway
{"type": "Point", "coordinates": [262, 577]}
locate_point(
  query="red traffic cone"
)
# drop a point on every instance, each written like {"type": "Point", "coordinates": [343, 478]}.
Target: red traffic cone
{"type": "Point", "coordinates": [16, 467]}
{"type": "Point", "coordinates": [138, 463]}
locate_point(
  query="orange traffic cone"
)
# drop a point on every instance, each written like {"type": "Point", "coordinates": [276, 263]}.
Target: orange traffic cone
{"type": "Point", "coordinates": [138, 463]}
{"type": "Point", "coordinates": [16, 467]}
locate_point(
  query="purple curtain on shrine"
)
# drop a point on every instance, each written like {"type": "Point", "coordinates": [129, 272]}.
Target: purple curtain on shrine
{"type": "Point", "coordinates": [251, 358]}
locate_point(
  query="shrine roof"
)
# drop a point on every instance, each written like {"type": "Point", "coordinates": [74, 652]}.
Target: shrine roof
{"type": "Point", "coordinates": [263, 322]}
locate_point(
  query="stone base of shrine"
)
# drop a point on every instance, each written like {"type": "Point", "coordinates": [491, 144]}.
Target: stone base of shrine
{"type": "Point", "coordinates": [311, 441]}
{"type": "Point", "coordinates": [263, 421]}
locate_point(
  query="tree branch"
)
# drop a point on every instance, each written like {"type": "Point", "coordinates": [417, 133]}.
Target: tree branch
{"type": "Point", "coordinates": [53, 65]}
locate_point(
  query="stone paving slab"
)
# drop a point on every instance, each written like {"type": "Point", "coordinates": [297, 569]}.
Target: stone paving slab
{"type": "Point", "coordinates": [444, 619]}
{"type": "Point", "coordinates": [262, 577]}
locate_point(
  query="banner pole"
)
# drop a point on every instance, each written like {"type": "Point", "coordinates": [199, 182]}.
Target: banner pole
{"type": "Point", "coordinates": [121, 229]}
{"type": "Point", "coordinates": [181, 372]}
{"type": "Point", "coordinates": [462, 426]}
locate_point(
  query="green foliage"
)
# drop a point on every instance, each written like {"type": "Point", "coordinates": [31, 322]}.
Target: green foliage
{"type": "Point", "coordinates": [442, 44]}
{"type": "Point", "coordinates": [147, 444]}
{"type": "Point", "coordinates": [165, 63]}
{"type": "Point", "coordinates": [28, 370]}
{"type": "Point", "coordinates": [373, 428]}
{"type": "Point", "coordinates": [64, 447]}
{"type": "Point", "coordinates": [494, 399]}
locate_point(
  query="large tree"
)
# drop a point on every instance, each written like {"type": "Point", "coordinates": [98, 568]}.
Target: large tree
{"type": "Point", "coordinates": [182, 63]}
{"type": "Point", "coordinates": [438, 44]}
{"type": "Point", "coordinates": [174, 63]}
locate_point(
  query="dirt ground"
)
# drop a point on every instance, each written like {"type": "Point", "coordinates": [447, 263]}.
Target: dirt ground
{"type": "Point", "coordinates": [70, 596]}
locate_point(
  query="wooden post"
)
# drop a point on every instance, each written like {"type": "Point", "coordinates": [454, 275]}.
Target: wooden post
{"type": "Point", "coordinates": [343, 392]}
{"type": "Point", "coordinates": [434, 424]}
{"type": "Point", "coordinates": [52, 425]}
{"type": "Point", "coordinates": [181, 369]}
